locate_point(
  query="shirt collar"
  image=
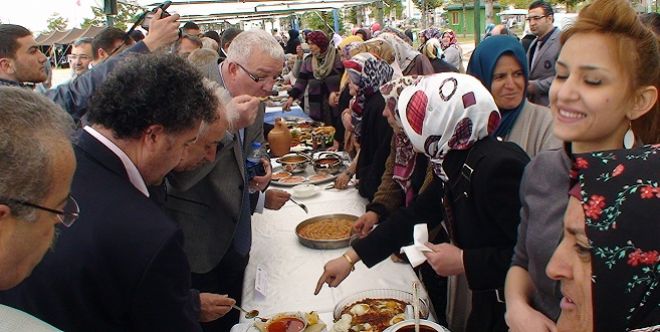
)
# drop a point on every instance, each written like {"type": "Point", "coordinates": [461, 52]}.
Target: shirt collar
{"type": "Point", "coordinates": [134, 175]}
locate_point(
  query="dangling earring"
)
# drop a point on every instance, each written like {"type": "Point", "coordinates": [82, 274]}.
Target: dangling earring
{"type": "Point", "coordinates": [629, 138]}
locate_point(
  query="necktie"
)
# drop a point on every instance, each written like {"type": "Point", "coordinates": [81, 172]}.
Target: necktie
{"type": "Point", "coordinates": [243, 233]}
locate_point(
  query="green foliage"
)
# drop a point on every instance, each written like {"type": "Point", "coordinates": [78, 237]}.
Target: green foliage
{"type": "Point", "coordinates": [430, 4]}
{"type": "Point", "coordinates": [57, 23]}
{"type": "Point", "coordinates": [126, 15]}
{"type": "Point", "coordinates": [393, 5]}
{"type": "Point", "coordinates": [520, 4]}
{"type": "Point", "coordinates": [325, 23]}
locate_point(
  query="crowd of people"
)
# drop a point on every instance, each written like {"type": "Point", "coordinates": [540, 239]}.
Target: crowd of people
{"type": "Point", "coordinates": [126, 197]}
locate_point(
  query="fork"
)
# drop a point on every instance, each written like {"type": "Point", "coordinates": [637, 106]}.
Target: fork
{"type": "Point", "coordinates": [302, 206]}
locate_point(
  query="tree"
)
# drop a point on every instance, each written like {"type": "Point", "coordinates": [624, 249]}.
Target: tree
{"type": "Point", "coordinates": [426, 6]}
{"type": "Point", "coordinates": [127, 12]}
{"type": "Point", "coordinates": [489, 11]}
{"type": "Point", "coordinates": [570, 4]}
{"type": "Point", "coordinates": [318, 20]}
{"type": "Point", "coordinates": [520, 4]}
{"type": "Point", "coordinates": [56, 23]}
{"type": "Point", "coordinates": [393, 7]}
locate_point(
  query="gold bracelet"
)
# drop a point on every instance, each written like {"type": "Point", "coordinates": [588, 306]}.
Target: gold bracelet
{"type": "Point", "coordinates": [350, 261]}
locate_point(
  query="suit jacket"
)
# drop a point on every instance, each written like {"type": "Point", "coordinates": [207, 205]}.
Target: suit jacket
{"type": "Point", "coordinates": [120, 267]}
{"type": "Point", "coordinates": [542, 71]}
{"type": "Point", "coordinates": [206, 202]}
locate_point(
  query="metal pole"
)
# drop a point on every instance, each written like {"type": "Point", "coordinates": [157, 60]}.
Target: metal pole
{"type": "Point", "coordinates": [379, 12]}
{"type": "Point", "coordinates": [335, 19]}
{"type": "Point", "coordinates": [477, 22]}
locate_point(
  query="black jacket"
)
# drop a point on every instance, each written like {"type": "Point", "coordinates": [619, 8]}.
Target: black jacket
{"type": "Point", "coordinates": [120, 267]}
{"type": "Point", "coordinates": [374, 146]}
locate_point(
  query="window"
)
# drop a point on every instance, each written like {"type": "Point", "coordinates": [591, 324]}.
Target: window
{"type": "Point", "coordinates": [454, 18]}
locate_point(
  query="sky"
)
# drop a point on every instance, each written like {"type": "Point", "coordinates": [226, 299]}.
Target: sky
{"type": "Point", "coordinates": [34, 14]}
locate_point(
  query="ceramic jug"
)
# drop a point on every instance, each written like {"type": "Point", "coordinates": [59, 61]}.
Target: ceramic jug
{"type": "Point", "coordinates": [279, 139]}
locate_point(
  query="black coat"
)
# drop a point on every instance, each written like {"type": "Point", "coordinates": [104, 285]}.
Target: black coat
{"type": "Point", "coordinates": [120, 267]}
{"type": "Point", "coordinates": [485, 225]}
{"type": "Point", "coordinates": [374, 146]}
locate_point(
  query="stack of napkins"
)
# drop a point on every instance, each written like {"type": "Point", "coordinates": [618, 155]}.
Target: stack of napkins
{"type": "Point", "coordinates": [415, 251]}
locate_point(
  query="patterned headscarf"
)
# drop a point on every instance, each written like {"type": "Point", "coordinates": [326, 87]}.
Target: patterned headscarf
{"type": "Point", "coordinates": [482, 66]}
{"type": "Point", "coordinates": [368, 73]}
{"type": "Point", "coordinates": [404, 159]}
{"type": "Point", "coordinates": [444, 112]}
{"type": "Point", "coordinates": [452, 38]}
{"type": "Point", "coordinates": [432, 49]}
{"type": "Point", "coordinates": [344, 48]}
{"type": "Point", "coordinates": [621, 202]}
{"type": "Point", "coordinates": [432, 33]}
{"type": "Point", "coordinates": [319, 38]}
{"type": "Point", "coordinates": [403, 52]}
{"type": "Point", "coordinates": [398, 33]}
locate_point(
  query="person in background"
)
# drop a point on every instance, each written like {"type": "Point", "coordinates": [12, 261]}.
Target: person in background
{"type": "Point", "coordinates": [590, 114]}
{"type": "Point", "coordinates": [137, 35]}
{"type": "Point", "coordinates": [186, 44]}
{"type": "Point", "coordinates": [543, 51]}
{"type": "Point", "coordinates": [293, 42]}
{"type": "Point", "coordinates": [608, 257]}
{"type": "Point", "coordinates": [20, 58]}
{"type": "Point", "coordinates": [108, 42]}
{"type": "Point", "coordinates": [452, 52]}
{"type": "Point", "coordinates": [320, 75]}
{"type": "Point", "coordinates": [225, 40]}
{"type": "Point", "coordinates": [433, 51]}
{"type": "Point", "coordinates": [363, 33]}
{"type": "Point", "coordinates": [209, 43]}
{"type": "Point", "coordinates": [122, 266]}
{"type": "Point", "coordinates": [213, 35]}
{"type": "Point", "coordinates": [35, 181]}
{"type": "Point", "coordinates": [500, 63]}
{"type": "Point", "coordinates": [191, 28]}
{"type": "Point", "coordinates": [81, 56]}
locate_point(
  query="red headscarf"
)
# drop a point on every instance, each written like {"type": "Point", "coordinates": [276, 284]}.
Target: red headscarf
{"type": "Point", "coordinates": [319, 39]}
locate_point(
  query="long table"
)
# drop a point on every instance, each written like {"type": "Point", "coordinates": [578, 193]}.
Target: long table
{"type": "Point", "coordinates": [292, 270]}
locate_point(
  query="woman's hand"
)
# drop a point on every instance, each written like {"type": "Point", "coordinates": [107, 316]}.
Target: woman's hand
{"type": "Point", "coordinates": [341, 182]}
{"type": "Point", "coordinates": [365, 223]}
{"type": "Point", "coordinates": [334, 272]}
{"type": "Point", "coordinates": [520, 317]}
{"type": "Point", "coordinates": [446, 259]}
{"type": "Point", "coordinates": [287, 104]}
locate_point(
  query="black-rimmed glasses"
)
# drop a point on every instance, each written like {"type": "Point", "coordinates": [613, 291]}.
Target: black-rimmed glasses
{"type": "Point", "coordinates": [67, 216]}
{"type": "Point", "coordinates": [535, 18]}
{"type": "Point", "coordinates": [255, 78]}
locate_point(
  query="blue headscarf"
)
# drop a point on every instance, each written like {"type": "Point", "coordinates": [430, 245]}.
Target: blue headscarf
{"type": "Point", "coordinates": [482, 65]}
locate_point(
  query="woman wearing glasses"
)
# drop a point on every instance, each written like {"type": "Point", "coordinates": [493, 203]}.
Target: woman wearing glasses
{"type": "Point", "coordinates": [320, 74]}
{"type": "Point", "coordinates": [602, 99]}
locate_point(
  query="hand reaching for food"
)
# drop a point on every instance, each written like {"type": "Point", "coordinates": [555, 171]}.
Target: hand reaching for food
{"type": "Point", "coordinates": [213, 306]}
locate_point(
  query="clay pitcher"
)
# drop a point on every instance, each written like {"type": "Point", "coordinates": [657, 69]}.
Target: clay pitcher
{"type": "Point", "coordinates": [279, 139]}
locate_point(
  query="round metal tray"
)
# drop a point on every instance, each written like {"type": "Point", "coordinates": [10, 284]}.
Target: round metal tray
{"type": "Point", "coordinates": [324, 244]}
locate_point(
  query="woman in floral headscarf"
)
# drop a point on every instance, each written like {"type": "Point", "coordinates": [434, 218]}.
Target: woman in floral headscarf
{"type": "Point", "coordinates": [319, 74]}
{"type": "Point", "coordinates": [608, 261]}
{"type": "Point", "coordinates": [366, 74]}
{"type": "Point", "coordinates": [601, 109]}
{"type": "Point", "coordinates": [433, 50]}
{"type": "Point", "coordinates": [452, 52]}
{"type": "Point", "coordinates": [449, 118]}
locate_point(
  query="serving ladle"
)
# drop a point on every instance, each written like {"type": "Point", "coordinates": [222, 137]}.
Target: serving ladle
{"type": "Point", "coordinates": [249, 314]}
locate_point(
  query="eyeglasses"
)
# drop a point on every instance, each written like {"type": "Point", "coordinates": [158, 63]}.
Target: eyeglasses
{"type": "Point", "coordinates": [255, 78]}
{"type": "Point", "coordinates": [67, 216]}
{"type": "Point", "coordinates": [535, 18]}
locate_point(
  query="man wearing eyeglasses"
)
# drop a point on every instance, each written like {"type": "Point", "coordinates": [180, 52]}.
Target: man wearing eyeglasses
{"type": "Point", "coordinates": [81, 56]}
{"type": "Point", "coordinates": [37, 166]}
{"type": "Point", "coordinates": [543, 51]}
{"type": "Point", "coordinates": [213, 204]}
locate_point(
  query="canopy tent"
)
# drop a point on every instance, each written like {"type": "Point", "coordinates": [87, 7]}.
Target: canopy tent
{"type": "Point", "coordinates": [201, 11]}
{"type": "Point", "coordinates": [66, 37]}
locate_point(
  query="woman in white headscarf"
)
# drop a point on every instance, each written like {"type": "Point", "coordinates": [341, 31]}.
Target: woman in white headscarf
{"type": "Point", "coordinates": [449, 117]}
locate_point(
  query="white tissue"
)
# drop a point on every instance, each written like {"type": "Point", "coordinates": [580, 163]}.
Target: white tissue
{"type": "Point", "coordinates": [415, 251]}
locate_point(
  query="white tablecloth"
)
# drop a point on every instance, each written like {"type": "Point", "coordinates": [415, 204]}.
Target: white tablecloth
{"type": "Point", "coordinates": [293, 270]}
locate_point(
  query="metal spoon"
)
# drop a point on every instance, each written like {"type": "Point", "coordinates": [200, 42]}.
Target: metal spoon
{"type": "Point", "coordinates": [249, 314]}
{"type": "Point", "coordinates": [302, 206]}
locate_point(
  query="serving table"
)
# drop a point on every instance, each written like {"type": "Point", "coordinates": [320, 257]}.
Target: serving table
{"type": "Point", "coordinates": [286, 272]}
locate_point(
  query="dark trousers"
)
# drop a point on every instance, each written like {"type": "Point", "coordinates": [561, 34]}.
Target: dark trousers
{"type": "Point", "coordinates": [487, 312]}
{"type": "Point", "coordinates": [225, 278]}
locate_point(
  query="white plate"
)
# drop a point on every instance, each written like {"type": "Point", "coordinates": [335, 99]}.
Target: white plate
{"type": "Point", "coordinates": [301, 191]}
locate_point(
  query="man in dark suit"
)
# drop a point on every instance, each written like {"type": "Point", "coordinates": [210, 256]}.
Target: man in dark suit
{"type": "Point", "coordinates": [212, 203]}
{"type": "Point", "coordinates": [121, 267]}
{"type": "Point", "coordinates": [543, 51]}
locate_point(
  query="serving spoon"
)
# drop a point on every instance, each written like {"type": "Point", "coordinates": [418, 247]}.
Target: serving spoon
{"type": "Point", "coordinates": [302, 206]}
{"type": "Point", "coordinates": [249, 314]}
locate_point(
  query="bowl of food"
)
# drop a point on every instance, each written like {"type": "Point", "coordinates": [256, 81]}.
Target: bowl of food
{"type": "Point", "coordinates": [294, 162]}
{"type": "Point", "coordinates": [376, 309]}
{"type": "Point", "coordinates": [284, 322]}
{"type": "Point", "coordinates": [327, 162]}
{"type": "Point", "coordinates": [304, 190]}
{"type": "Point", "coordinates": [409, 326]}
{"type": "Point", "coordinates": [330, 231]}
